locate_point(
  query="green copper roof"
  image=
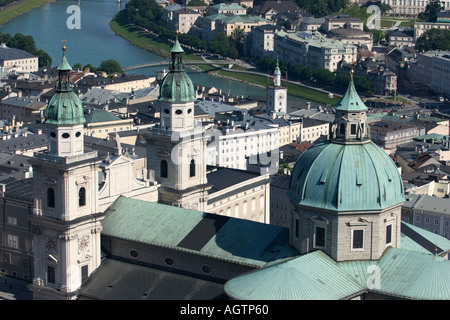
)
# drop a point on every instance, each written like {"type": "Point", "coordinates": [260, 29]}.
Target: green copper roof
{"type": "Point", "coordinates": [314, 276]}
{"type": "Point", "coordinates": [277, 70]}
{"type": "Point", "coordinates": [346, 177]}
{"type": "Point", "coordinates": [351, 100]}
{"type": "Point", "coordinates": [402, 273]}
{"type": "Point", "coordinates": [177, 47]}
{"type": "Point", "coordinates": [220, 237]}
{"type": "Point", "coordinates": [64, 65]}
{"type": "Point", "coordinates": [405, 274]}
{"type": "Point", "coordinates": [176, 85]}
{"type": "Point", "coordinates": [65, 107]}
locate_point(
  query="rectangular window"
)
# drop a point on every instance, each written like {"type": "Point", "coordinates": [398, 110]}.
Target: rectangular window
{"type": "Point", "coordinates": [342, 128]}
{"type": "Point", "coordinates": [389, 234]}
{"type": "Point", "coordinates": [353, 128]}
{"type": "Point", "coordinates": [296, 228]}
{"type": "Point", "coordinates": [358, 239]}
{"type": "Point", "coordinates": [84, 273]}
{"type": "Point", "coordinates": [50, 274]}
{"type": "Point", "coordinates": [320, 237]}
{"type": "Point", "coordinates": [12, 241]}
{"type": "Point", "coordinates": [12, 220]}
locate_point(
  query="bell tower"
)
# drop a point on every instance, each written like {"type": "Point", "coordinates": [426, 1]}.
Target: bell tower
{"type": "Point", "coordinates": [176, 149]}
{"type": "Point", "coordinates": [276, 95]}
{"type": "Point", "coordinates": [65, 221]}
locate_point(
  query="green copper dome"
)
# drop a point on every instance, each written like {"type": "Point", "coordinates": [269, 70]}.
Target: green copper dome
{"type": "Point", "coordinates": [347, 174]}
{"type": "Point", "coordinates": [64, 107]}
{"type": "Point", "coordinates": [176, 85]}
{"type": "Point", "coordinates": [346, 177]}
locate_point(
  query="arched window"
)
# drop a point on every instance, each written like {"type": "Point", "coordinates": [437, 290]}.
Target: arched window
{"type": "Point", "coordinates": [192, 168]}
{"type": "Point", "coordinates": [50, 198]}
{"type": "Point", "coordinates": [82, 197]}
{"type": "Point", "coordinates": [163, 169]}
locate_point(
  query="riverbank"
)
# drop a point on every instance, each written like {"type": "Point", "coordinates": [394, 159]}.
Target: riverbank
{"type": "Point", "coordinates": [137, 37]}
{"type": "Point", "coordinates": [15, 9]}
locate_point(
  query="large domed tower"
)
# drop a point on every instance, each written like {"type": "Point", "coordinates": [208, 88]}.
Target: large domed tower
{"type": "Point", "coordinates": [346, 192]}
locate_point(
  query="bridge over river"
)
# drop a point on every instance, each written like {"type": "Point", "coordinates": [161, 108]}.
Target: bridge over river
{"type": "Point", "coordinates": [162, 63]}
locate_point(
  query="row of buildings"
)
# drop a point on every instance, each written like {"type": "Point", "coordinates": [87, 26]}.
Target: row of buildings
{"type": "Point", "coordinates": [331, 42]}
{"type": "Point", "coordinates": [100, 221]}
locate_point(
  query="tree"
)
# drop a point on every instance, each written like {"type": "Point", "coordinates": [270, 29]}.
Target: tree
{"type": "Point", "coordinates": [431, 11]}
{"type": "Point", "coordinates": [362, 84]}
{"type": "Point", "coordinates": [91, 67]}
{"type": "Point", "coordinates": [220, 45]}
{"type": "Point", "coordinates": [110, 66]}
{"type": "Point", "coordinates": [196, 3]}
{"type": "Point", "coordinates": [434, 39]}
{"type": "Point", "coordinates": [324, 76]}
{"type": "Point", "coordinates": [43, 57]}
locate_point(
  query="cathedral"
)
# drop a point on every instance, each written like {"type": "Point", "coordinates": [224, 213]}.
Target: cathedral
{"type": "Point", "coordinates": [169, 234]}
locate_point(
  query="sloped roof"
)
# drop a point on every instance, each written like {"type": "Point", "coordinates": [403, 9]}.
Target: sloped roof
{"type": "Point", "coordinates": [7, 53]}
{"type": "Point", "coordinates": [351, 100]}
{"type": "Point", "coordinates": [279, 6]}
{"type": "Point", "coordinates": [313, 276]}
{"type": "Point", "coordinates": [406, 274]}
{"type": "Point", "coordinates": [399, 273]}
{"type": "Point", "coordinates": [99, 115]}
{"type": "Point", "coordinates": [119, 280]}
{"type": "Point", "coordinates": [224, 238]}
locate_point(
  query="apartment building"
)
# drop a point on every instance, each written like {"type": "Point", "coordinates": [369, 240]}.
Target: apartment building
{"type": "Point", "coordinates": [244, 145]}
{"type": "Point", "coordinates": [12, 59]}
{"type": "Point", "coordinates": [342, 21]}
{"type": "Point", "coordinates": [226, 23]}
{"type": "Point", "coordinates": [227, 8]}
{"type": "Point", "coordinates": [411, 7]}
{"type": "Point", "coordinates": [183, 20]}
{"type": "Point", "coordinates": [313, 129]}
{"type": "Point", "coordinates": [262, 41]}
{"type": "Point", "coordinates": [428, 212]}
{"type": "Point", "coordinates": [431, 69]}
{"type": "Point", "coordinates": [24, 109]}
{"type": "Point", "coordinates": [310, 48]}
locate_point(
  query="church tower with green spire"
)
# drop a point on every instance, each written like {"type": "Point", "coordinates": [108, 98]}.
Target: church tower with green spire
{"type": "Point", "coordinates": [176, 149]}
{"type": "Point", "coordinates": [64, 116]}
{"type": "Point", "coordinates": [66, 222]}
{"type": "Point", "coordinates": [276, 95]}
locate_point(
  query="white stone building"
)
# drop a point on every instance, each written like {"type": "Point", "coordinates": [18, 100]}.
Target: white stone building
{"type": "Point", "coordinates": [12, 59]}
{"type": "Point", "coordinates": [313, 49]}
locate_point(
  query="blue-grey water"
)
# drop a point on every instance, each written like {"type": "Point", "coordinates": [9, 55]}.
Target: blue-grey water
{"type": "Point", "coordinates": [95, 42]}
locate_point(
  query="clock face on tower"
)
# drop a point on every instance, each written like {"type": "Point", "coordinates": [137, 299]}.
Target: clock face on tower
{"type": "Point", "coordinates": [51, 244]}
{"type": "Point", "coordinates": [280, 96]}
{"type": "Point", "coordinates": [83, 243]}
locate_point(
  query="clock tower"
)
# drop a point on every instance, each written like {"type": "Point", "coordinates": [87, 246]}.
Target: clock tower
{"type": "Point", "coordinates": [276, 95]}
{"type": "Point", "coordinates": [65, 222]}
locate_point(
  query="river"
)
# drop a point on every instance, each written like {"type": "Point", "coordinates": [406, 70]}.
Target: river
{"type": "Point", "coordinates": [95, 42]}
